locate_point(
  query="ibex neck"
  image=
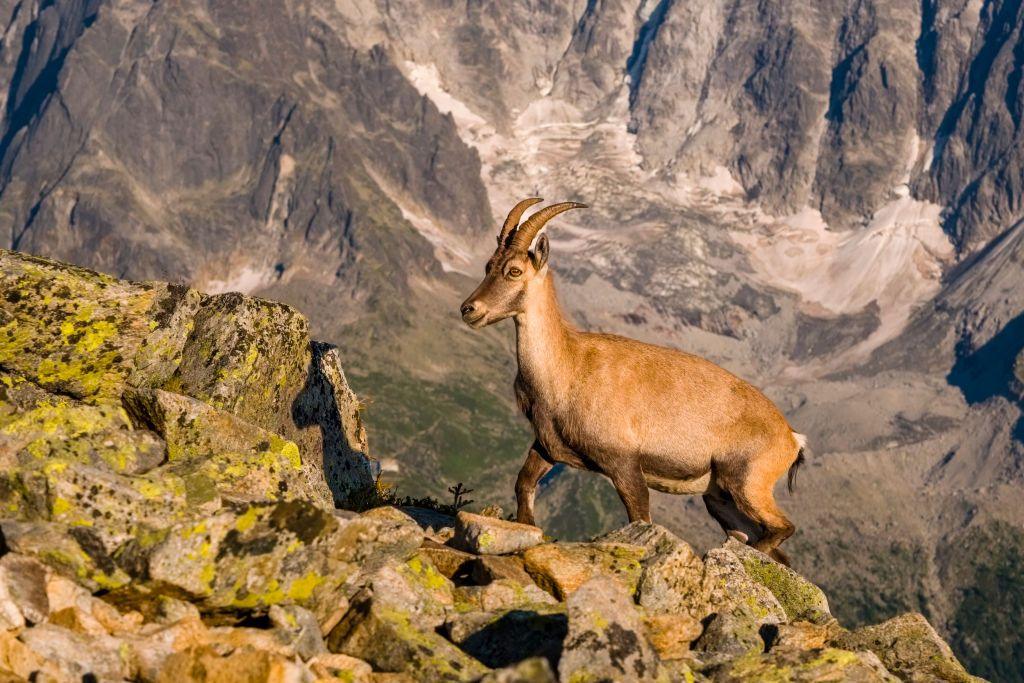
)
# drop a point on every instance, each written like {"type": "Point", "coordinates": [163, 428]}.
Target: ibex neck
{"type": "Point", "coordinates": [543, 337]}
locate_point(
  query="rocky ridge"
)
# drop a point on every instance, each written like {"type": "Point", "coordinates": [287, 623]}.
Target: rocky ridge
{"type": "Point", "coordinates": [171, 465]}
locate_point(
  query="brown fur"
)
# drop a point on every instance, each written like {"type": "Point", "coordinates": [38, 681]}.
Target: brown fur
{"type": "Point", "coordinates": [642, 415]}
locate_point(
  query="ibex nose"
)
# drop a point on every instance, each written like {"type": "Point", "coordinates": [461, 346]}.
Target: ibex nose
{"type": "Point", "coordinates": [467, 308]}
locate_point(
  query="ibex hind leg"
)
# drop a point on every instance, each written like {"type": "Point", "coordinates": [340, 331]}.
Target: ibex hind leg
{"type": "Point", "coordinates": [753, 495]}
{"type": "Point", "coordinates": [734, 523]}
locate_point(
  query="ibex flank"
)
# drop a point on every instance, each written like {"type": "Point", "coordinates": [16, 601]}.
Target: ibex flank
{"type": "Point", "coordinates": [642, 415]}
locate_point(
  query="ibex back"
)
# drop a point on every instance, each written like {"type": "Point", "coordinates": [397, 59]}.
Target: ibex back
{"type": "Point", "coordinates": [642, 415]}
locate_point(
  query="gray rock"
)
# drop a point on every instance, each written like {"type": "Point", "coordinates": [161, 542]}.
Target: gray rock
{"type": "Point", "coordinates": [672, 573]}
{"type": "Point", "coordinates": [606, 639]}
{"type": "Point", "coordinates": [800, 598]}
{"type": "Point", "coordinates": [729, 589]}
{"type": "Point", "coordinates": [301, 628]}
{"type": "Point", "coordinates": [23, 584]}
{"type": "Point", "coordinates": [78, 656]}
{"type": "Point", "coordinates": [391, 641]}
{"type": "Point", "coordinates": [490, 536]}
{"type": "Point", "coordinates": [731, 634]}
{"type": "Point", "coordinates": [909, 647]}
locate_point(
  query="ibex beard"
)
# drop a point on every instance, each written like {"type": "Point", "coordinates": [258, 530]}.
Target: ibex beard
{"type": "Point", "coordinates": [642, 415]}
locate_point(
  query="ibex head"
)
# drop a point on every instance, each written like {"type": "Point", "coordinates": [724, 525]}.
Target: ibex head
{"type": "Point", "coordinates": [512, 267]}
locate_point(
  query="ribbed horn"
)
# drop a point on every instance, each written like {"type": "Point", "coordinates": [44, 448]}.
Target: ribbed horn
{"type": "Point", "coordinates": [513, 218]}
{"type": "Point", "coordinates": [527, 231]}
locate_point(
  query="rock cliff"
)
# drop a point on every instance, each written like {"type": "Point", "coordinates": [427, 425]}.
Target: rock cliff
{"type": "Point", "coordinates": [175, 473]}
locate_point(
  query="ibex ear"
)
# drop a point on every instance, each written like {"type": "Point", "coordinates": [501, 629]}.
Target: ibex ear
{"type": "Point", "coordinates": [540, 252]}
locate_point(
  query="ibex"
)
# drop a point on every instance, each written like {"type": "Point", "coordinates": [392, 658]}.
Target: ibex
{"type": "Point", "coordinates": [642, 415]}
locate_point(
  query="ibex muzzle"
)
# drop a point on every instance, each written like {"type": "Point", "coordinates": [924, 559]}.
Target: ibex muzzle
{"type": "Point", "coordinates": [642, 415]}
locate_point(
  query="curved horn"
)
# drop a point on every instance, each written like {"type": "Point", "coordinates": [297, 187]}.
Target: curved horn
{"type": "Point", "coordinates": [528, 230]}
{"type": "Point", "coordinates": [513, 218]}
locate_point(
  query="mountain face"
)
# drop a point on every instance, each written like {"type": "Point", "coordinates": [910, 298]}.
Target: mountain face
{"type": "Point", "coordinates": [824, 197]}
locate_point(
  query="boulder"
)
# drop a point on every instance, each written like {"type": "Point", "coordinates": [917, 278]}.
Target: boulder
{"type": "Point", "coordinates": [606, 639]}
{"type": "Point", "coordinates": [730, 634]}
{"type": "Point", "coordinates": [79, 656]}
{"type": "Point", "coordinates": [501, 594]}
{"type": "Point", "coordinates": [807, 666]}
{"type": "Point", "coordinates": [82, 334]}
{"type": "Point", "coordinates": [561, 568]}
{"type": "Point", "coordinates": [909, 647]}
{"type": "Point", "coordinates": [60, 429]}
{"type": "Point", "coordinates": [299, 629]}
{"type": "Point", "coordinates": [260, 555]}
{"type": "Point", "coordinates": [214, 450]}
{"type": "Point", "coordinates": [79, 336]}
{"type": "Point", "coordinates": [800, 598]}
{"type": "Point", "coordinates": [505, 636]}
{"type": "Point", "coordinates": [728, 588]}
{"type": "Point", "coordinates": [391, 641]}
{"type": "Point", "coordinates": [23, 595]}
{"type": "Point", "coordinates": [672, 633]}
{"type": "Point", "coordinates": [74, 552]}
{"type": "Point", "coordinates": [414, 588]}
{"type": "Point", "coordinates": [671, 578]}
{"type": "Point", "coordinates": [489, 536]}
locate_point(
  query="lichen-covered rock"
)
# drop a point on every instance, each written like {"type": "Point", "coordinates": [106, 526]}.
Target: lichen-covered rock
{"type": "Point", "coordinates": [79, 656]}
{"type": "Point", "coordinates": [800, 598]}
{"type": "Point", "coordinates": [265, 554]}
{"type": "Point", "coordinates": [504, 636]}
{"type": "Point", "coordinates": [728, 588]}
{"type": "Point", "coordinates": [672, 573]}
{"type": "Point", "coordinates": [533, 670]}
{"type": "Point", "coordinates": [391, 641]}
{"type": "Point", "coordinates": [908, 647]}
{"type": "Point", "coordinates": [72, 551]}
{"type": "Point", "coordinates": [254, 358]}
{"type": "Point", "coordinates": [606, 641]}
{"type": "Point", "coordinates": [215, 450]}
{"type": "Point", "coordinates": [731, 634]}
{"type": "Point", "coordinates": [804, 666]}
{"type": "Point", "coordinates": [502, 594]}
{"type": "Point", "coordinates": [489, 536]}
{"type": "Point", "coordinates": [77, 335]}
{"type": "Point", "coordinates": [415, 588]}
{"type": "Point", "coordinates": [561, 568]}
{"type": "Point", "coordinates": [76, 332]}
{"type": "Point", "coordinates": [57, 428]}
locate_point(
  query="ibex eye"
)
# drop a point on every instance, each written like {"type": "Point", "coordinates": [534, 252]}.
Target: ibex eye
{"type": "Point", "coordinates": [514, 272]}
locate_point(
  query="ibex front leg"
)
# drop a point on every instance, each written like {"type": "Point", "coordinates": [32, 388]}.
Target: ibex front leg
{"type": "Point", "coordinates": [535, 467]}
{"type": "Point", "coordinates": [628, 480]}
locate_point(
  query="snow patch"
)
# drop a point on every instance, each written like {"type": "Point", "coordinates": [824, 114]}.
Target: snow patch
{"type": "Point", "coordinates": [427, 80]}
{"type": "Point", "coordinates": [247, 280]}
{"type": "Point", "coordinates": [896, 260]}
